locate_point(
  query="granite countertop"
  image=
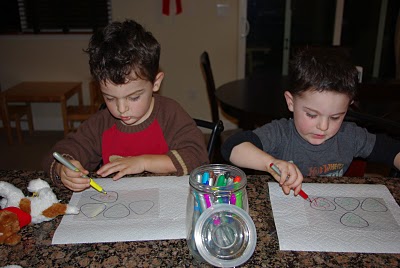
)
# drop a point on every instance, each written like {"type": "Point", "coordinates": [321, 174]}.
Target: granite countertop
{"type": "Point", "coordinates": [35, 249]}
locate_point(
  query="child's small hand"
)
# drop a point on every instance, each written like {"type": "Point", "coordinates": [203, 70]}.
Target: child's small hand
{"type": "Point", "coordinates": [123, 166]}
{"type": "Point", "coordinates": [73, 179]}
{"type": "Point", "coordinates": [290, 177]}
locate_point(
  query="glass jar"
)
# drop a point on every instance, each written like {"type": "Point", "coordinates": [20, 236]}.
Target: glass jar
{"type": "Point", "coordinates": [219, 229]}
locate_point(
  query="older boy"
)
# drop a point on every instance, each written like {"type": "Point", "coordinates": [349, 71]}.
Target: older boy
{"type": "Point", "coordinates": [317, 140]}
{"type": "Point", "coordinates": [139, 131]}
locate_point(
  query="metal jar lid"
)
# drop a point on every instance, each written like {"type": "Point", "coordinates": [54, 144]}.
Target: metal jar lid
{"type": "Point", "coordinates": [225, 235]}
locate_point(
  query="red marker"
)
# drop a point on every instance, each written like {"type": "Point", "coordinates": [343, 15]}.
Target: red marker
{"type": "Point", "coordinates": [301, 193]}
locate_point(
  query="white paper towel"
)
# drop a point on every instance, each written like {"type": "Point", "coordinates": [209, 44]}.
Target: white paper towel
{"type": "Point", "coordinates": [147, 208]}
{"type": "Point", "coordinates": [354, 218]}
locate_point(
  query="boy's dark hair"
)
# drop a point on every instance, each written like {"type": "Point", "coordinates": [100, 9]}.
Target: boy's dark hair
{"type": "Point", "coordinates": [120, 48]}
{"type": "Point", "coordinates": [322, 69]}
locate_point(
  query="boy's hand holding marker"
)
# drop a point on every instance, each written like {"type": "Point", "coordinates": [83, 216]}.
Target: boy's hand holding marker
{"type": "Point", "coordinates": [287, 174]}
{"type": "Point", "coordinates": [69, 171]}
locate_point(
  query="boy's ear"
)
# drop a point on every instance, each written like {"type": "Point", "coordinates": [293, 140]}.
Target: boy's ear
{"type": "Point", "coordinates": [289, 100]}
{"type": "Point", "coordinates": [157, 82]}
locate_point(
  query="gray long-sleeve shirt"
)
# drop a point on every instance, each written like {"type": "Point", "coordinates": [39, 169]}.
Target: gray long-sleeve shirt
{"type": "Point", "coordinates": [332, 158]}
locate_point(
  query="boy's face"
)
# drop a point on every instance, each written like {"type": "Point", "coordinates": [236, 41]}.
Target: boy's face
{"type": "Point", "coordinates": [132, 102]}
{"type": "Point", "coordinates": [317, 115]}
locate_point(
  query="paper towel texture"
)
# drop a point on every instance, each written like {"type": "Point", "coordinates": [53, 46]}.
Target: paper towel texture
{"type": "Point", "coordinates": [341, 218]}
{"type": "Point", "coordinates": [134, 209]}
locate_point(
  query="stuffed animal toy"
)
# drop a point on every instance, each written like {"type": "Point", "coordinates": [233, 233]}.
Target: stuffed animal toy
{"type": "Point", "coordinates": [18, 210]}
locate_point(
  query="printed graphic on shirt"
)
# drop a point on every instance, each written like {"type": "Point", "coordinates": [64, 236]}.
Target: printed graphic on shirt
{"type": "Point", "coordinates": [329, 170]}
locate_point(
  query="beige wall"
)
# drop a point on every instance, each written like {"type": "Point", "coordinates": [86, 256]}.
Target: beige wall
{"type": "Point", "coordinates": [183, 38]}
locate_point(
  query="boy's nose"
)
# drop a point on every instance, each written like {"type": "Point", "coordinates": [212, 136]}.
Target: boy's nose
{"type": "Point", "coordinates": [122, 107]}
{"type": "Point", "coordinates": [323, 124]}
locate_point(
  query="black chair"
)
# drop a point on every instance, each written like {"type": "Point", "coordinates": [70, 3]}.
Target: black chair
{"type": "Point", "coordinates": [216, 129]}
{"type": "Point", "coordinates": [214, 104]}
{"type": "Point", "coordinates": [210, 85]}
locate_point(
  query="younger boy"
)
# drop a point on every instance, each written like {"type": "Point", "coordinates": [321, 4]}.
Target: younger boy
{"type": "Point", "coordinates": [317, 140]}
{"type": "Point", "coordinates": [139, 131]}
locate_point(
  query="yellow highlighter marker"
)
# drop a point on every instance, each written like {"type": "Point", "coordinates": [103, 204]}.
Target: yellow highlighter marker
{"type": "Point", "coordinates": [69, 165]}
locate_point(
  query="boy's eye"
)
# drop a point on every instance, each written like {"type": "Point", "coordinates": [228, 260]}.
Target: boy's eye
{"type": "Point", "coordinates": [133, 98]}
{"type": "Point", "coordinates": [109, 99]}
{"type": "Point", "coordinates": [335, 117]}
{"type": "Point", "coordinates": [311, 115]}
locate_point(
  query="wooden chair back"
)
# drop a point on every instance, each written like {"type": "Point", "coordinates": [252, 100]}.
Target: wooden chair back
{"type": "Point", "coordinates": [76, 113]}
{"type": "Point", "coordinates": [16, 113]}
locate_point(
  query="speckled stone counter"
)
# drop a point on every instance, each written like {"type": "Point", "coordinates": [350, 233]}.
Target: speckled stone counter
{"type": "Point", "coordinates": [35, 249]}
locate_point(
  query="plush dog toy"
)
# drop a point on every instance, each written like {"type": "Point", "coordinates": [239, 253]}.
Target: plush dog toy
{"type": "Point", "coordinates": [18, 210]}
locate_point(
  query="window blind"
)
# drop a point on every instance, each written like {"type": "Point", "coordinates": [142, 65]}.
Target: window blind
{"type": "Point", "coordinates": [58, 16]}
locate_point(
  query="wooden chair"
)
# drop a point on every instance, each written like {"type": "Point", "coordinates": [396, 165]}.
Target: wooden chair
{"type": "Point", "coordinates": [76, 113]}
{"type": "Point", "coordinates": [17, 113]}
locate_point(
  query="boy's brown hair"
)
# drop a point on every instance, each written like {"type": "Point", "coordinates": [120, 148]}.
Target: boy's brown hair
{"type": "Point", "coordinates": [120, 48]}
{"type": "Point", "coordinates": [322, 69]}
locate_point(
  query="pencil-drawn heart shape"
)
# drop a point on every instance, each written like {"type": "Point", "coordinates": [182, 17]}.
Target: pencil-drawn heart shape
{"type": "Point", "coordinates": [117, 211]}
{"type": "Point", "coordinates": [321, 203]}
{"type": "Point", "coordinates": [347, 203]}
{"type": "Point", "coordinates": [141, 207]}
{"type": "Point", "coordinates": [109, 197]}
{"type": "Point", "coordinates": [373, 205]}
{"type": "Point", "coordinates": [92, 210]}
{"type": "Point", "coordinates": [350, 219]}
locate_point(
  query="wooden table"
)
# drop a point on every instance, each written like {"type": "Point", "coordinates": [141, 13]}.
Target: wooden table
{"type": "Point", "coordinates": [41, 92]}
{"type": "Point", "coordinates": [36, 250]}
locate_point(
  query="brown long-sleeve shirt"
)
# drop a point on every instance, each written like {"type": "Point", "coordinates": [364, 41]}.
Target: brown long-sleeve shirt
{"type": "Point", "coordinates": [169, 130]}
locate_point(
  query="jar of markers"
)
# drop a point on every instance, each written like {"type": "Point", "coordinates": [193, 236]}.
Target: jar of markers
{"type": "Point", "coordinates": [219, 228]}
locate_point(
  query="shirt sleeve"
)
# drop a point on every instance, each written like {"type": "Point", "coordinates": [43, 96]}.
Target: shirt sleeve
{"type": "Point", "coordinates": [186, 142]}
{"type": "Point", "coordinates": [238, 138]}
{"type": "Point", "coordinates": [83, 145]}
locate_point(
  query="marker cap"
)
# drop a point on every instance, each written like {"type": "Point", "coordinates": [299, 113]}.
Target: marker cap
{"type": "Point", "coordinates": [225, 235]}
